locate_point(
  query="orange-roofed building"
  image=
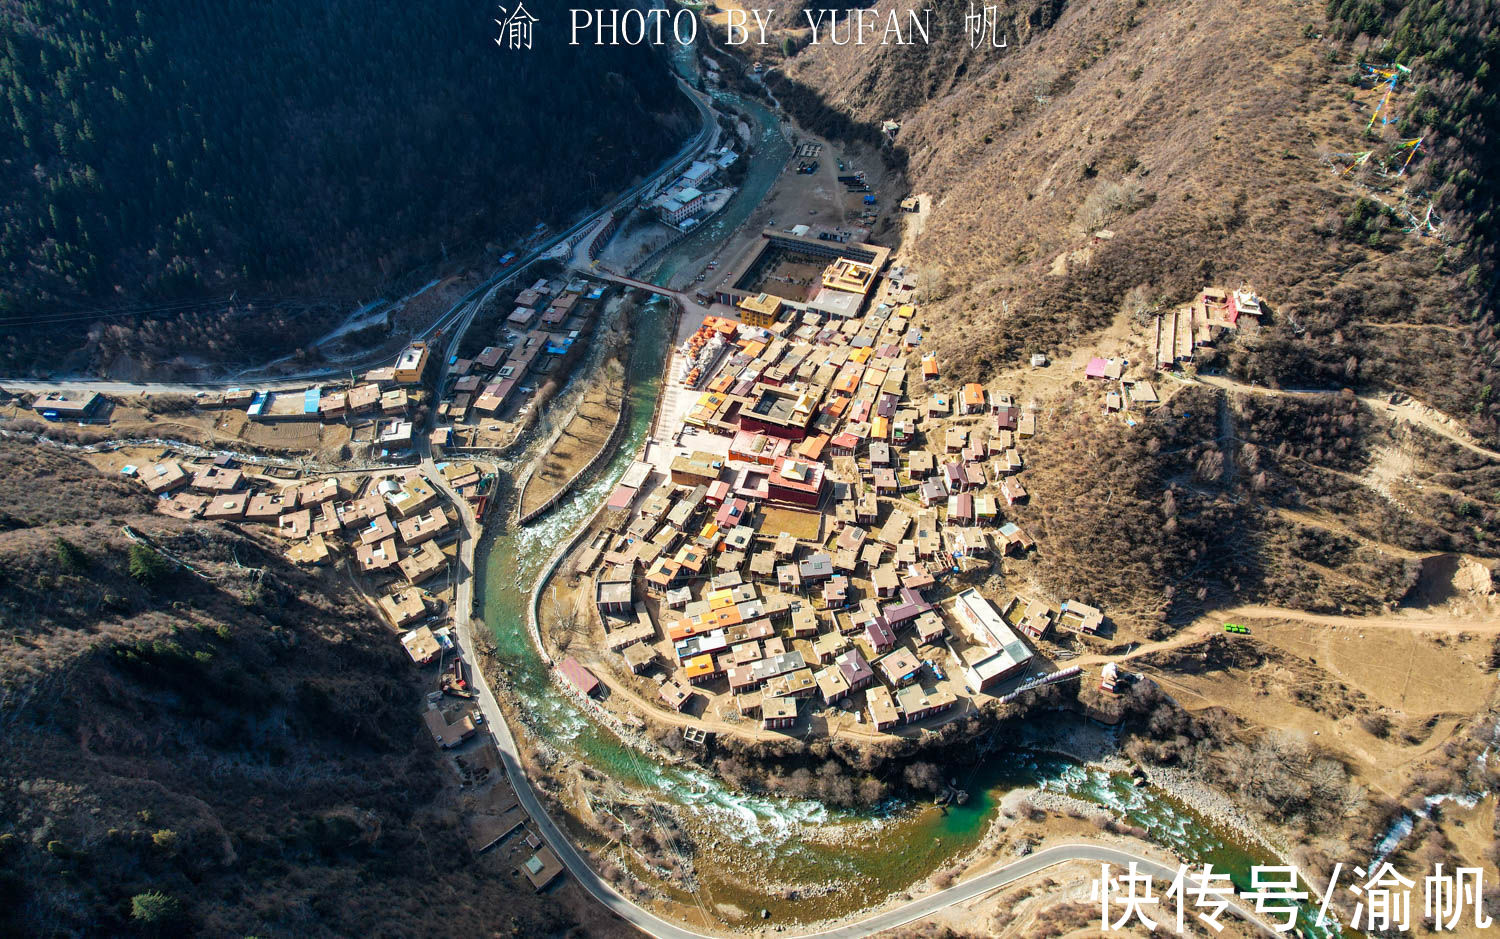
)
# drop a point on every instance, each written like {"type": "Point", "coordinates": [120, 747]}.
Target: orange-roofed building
{"type": "Point", "coordinates": [700, 668]}
{"type": "Point", "coordinates": [684, 628]}
{"type": "Point", "coordinates": [812, 448]}
{"type": "Point", "coordinates": [971, 399]}
{"type": "Point", "coordinates": [719, 599]}
{"type": "Point", "coordinates": [724, 617]}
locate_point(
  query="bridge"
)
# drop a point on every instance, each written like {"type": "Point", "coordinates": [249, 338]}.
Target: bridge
{"type": "Point", "coordinates": [689, 303]}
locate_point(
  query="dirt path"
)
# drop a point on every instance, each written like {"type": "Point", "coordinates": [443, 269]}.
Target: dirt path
{"type": "Point", "coordinates": [1422, 622]}
{"type": "Point", "coordinates": [1329, 524]}
{"type": "Point", "coordinates": [1408, 410]}
{"type": "Point", "coordinates": [1214, 623]}
{"type": "Point", "coordinates": [637, 705]}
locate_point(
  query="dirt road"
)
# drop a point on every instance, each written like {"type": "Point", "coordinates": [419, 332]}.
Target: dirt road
{"type": "Point", "coordinates": [1407, 410]}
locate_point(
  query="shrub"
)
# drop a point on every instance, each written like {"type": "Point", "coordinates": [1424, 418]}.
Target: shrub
{"type": "Point", "coordinates": [146, 566]}
{"type": "Point", "coordinates": [70, 560]}
{"type": "Point", "coordinates": [154, 908]}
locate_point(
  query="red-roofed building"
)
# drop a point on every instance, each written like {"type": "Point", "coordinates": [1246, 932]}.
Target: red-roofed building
{"type": "Point", "coordinates": [731, 513]}
{"type": "Point", "coordinates": [578, 676]}
{"type": "Point", "coordinates": [796, 482]}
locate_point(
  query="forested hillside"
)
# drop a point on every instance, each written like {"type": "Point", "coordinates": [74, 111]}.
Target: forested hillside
{"type": "Point", "coordinates": [291, 152]}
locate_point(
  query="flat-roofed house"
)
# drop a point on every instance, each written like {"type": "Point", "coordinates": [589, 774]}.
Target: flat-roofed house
{"type": "Point", "coordinates": [376, 556]}
{"type": "Point", "coordinates": [900, 667]}
{"type": "Point", "coordinates": [778, 713]}
{"type": "Point", "coordinates": [225, 506]}
{"type": "Point", "coordinates": [421, 645]}
{"type": "Point", "coordinates": [614, 597]}
{"type": "Point", "coordinates": [448, 735]}
{"type": "Point", "coordinates": [421, 528]}
{"type": "Point", "coordinates": [403, 606]}
{"type": "Point", "coordinates": [411, 364]}
{"type": "Point", "coordinates": [423, 563]}
{"type": "Point", "coordinates": [998, 652]}
{"type": "Point", "coordinates": [674, 695]}
{"type": "Point", "coordinates": [918, 703]}
{"type": "Point", "coordinates": [884, 714]}
{"type": "Point", "coordinates": [165, 477]}
{"type": "Point", "coordinates": [67, 405]}
{"type": "Point", "coordinates": [1080, 617]}
{"type": "Point", "coordinates": [832, 685]}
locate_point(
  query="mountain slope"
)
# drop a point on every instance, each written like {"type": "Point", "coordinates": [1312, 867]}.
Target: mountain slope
{"type": "Point", "coordinates": [296, 154]}
{"type": "Point", "coordinates": [1195, 133]}
{"type": "Point", "coordinates": [246, 743]}
{"type": "Point", "coordinates": [1200, 136]}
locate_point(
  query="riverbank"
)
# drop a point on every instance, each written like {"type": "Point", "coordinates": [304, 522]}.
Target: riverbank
{"type": "Point", "coordinates": [583, 440]}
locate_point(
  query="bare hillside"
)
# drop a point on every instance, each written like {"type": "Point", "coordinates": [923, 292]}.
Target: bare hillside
{"type": "Point", "coordinates": [1195, 133]}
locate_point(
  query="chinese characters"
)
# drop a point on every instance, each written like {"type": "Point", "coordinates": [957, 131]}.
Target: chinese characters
{"type": "Point", "coordinates": [1382, 898]}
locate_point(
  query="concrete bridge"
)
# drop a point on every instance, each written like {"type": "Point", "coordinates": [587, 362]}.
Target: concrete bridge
{"type": "Point", "coordinates": [690, 304]}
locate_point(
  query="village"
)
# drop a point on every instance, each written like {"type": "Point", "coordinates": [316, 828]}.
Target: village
{"type": "Point", "coordinates": [808, 544]}
{"type": "Point", "coordinates": [800, 546]}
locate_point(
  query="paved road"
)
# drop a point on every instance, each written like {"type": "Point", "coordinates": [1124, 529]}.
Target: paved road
{"type": "Point", "coordinates": [708, 134]}
{"type": "Point", "coordinates": [654, 925]}
{"type": "Point", "coordinates": [156, 388]}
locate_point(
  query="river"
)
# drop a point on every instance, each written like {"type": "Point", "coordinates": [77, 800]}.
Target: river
{"type": "Point", "coordinates": [753, 849]}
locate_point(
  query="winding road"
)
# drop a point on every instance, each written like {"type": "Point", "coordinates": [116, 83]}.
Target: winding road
{"type": "Point", "coordinates": [650, 923]}
{"type": "Point", "coordinates": [645, 920]}
{"type": "Point", "coordinates": [458, 318]}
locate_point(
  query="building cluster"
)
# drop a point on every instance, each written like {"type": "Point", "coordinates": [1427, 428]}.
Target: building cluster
{"type": "Point", "coordinates": [850, 272]}
{"type": "Point", "coordinates": [545, 331]}
{"type": "Point", "coordinates": [799, 548]}
{"type": "Point", "coordinates": [69, 405]}
{"type": "Point", "coordinates": [396, 527]}
{"type": "Point", "coordinates": [384, 397]}
{"type": "Point", "coordinates": [1182, 332]}
{"type": "Point", "coordinates": [682, 202]}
